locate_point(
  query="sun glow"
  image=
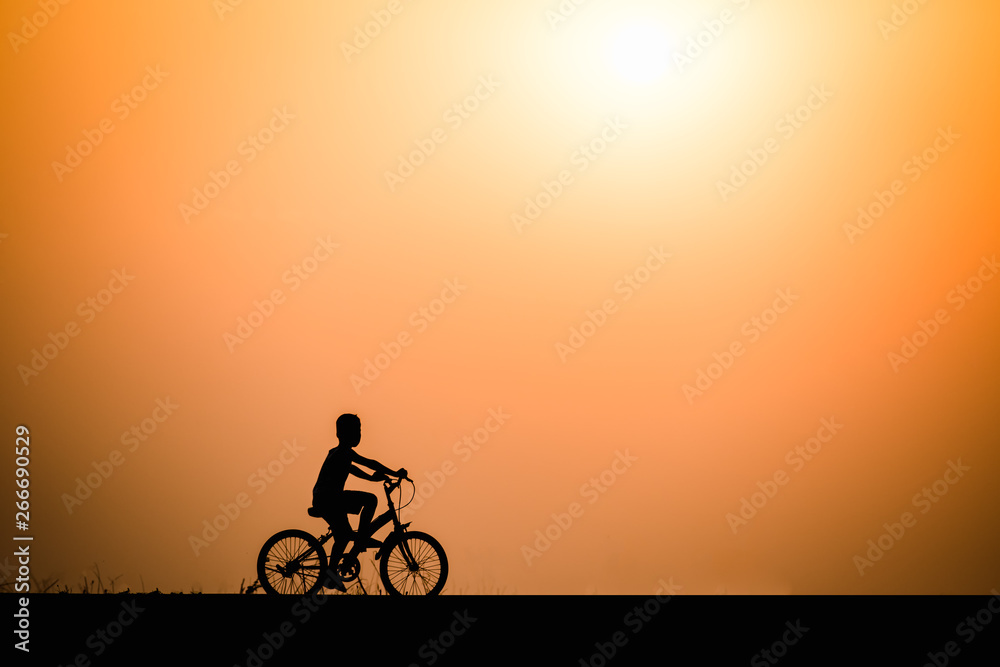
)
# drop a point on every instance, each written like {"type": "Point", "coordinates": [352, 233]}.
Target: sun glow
{"type": "Point", "coordinates": [640, 53]}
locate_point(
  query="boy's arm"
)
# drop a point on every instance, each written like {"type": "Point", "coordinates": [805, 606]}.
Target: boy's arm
{"type": "Point", "coordinates": [374, 465]}
{"type": "Point", "coordinates": [355, 470]}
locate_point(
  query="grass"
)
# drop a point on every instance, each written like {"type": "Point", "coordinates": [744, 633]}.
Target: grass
{"type": "Point", "coordinates": [91, 583]}
{"type": "Point", "coordinates": [96, 583]}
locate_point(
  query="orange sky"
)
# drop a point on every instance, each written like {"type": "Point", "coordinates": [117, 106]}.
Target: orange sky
{"type": "Point", "coordinates": [619, 251]}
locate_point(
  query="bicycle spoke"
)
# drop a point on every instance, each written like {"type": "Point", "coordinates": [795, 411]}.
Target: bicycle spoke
{"type": "Point", "coordinates": [291, 562]}
{"type": "Point", "coordinates": [427, 564]}
{"type": "Point", "coordinates": [422, 581]}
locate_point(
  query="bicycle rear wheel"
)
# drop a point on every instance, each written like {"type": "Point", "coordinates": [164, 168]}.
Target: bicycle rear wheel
{"type": "Point", "coordinates": [414, 565]}
{"type": "Point", "coordinates": [291, 562]}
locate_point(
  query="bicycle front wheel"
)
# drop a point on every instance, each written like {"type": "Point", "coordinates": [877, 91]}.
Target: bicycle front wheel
{"type": "Point", "coordinates": [414, 565]}
{"type": "Point", "coordinates": [291, 562]}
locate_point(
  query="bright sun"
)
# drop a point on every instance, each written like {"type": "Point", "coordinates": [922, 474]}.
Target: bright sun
{"type": "Point", "coordinates": [640, 53]}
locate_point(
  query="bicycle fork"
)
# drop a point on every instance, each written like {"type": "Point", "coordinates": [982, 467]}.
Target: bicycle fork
{"type": "Point", "coordinates": [399, 535]}
{"type": "Point", "coordinates": [411, 562]}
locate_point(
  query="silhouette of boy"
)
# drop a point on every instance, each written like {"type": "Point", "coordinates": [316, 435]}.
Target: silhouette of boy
{"type": "Point", "coordinates": [333, 503]}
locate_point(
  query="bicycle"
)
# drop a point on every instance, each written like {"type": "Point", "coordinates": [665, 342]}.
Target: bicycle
{"type": "Point", "coordinates": [294, 561]}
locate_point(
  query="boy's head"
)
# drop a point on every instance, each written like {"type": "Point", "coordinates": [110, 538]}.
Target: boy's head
{"type": "Point", "coordinates": [349, 430]}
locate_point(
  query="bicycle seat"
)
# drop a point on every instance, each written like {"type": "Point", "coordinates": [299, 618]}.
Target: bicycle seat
{"type": "Point", "coordinates": [313, 512]}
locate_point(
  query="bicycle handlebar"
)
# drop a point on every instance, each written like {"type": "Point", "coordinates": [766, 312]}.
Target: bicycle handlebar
{"type": "Point", "coordinates": [390, 485]}
{"type": "Point", "coordinates": [389, 482]}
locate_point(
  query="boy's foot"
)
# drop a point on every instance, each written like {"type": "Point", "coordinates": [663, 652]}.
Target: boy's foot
{"type": "Point", "coordinates": [361, 543]}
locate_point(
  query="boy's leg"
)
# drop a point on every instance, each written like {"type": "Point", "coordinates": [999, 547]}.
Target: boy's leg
{"type": "Point", "coordinates": [367, 514]}
{"type": "Point", "coordinates": [364, 504]}
{"type": "Point", "coordinates": [341, 536]}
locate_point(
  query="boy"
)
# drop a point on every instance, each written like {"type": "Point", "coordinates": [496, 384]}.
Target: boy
{"type": "Point", "coordinates": [333, 503]}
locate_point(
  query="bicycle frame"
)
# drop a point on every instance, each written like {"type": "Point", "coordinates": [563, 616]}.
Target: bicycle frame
{"type": "Point", "coordinates": [377, 523]}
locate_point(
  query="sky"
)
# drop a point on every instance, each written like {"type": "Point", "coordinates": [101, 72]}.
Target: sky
{"type": "Point", "coordinates": [695, 293]}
